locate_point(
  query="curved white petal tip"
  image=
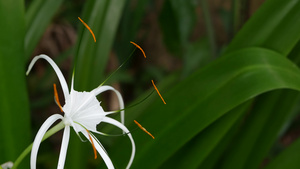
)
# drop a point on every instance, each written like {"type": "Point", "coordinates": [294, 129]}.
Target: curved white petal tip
{"type": "Point", "coordinates": [122, 127]}
{"type": "Point", "coordinates": [56, 69]}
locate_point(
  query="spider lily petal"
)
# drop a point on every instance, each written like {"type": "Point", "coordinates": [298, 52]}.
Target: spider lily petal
{"type": "Point", "coordinates": [100, 150]}
{"type": "Point", "coordinates": [101, 89]}
{"type": "Point", "coordinates": [122, 127]}
{"type": "Point", "coordinates": [56, 69]}
{"type": "Point", "coordinates": [38, 138]}
{"type": "Point", "coordinates": [63, 148]}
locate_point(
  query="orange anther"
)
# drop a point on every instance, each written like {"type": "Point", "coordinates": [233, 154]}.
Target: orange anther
{"type": "Point", "coordinates": [92, 142]}
{"type": "Point", "coordinates": [56, 97]}
{"type": "Point", "coordinates": [139, 48]}
{"type": "Point", "coordinates": [87, 26]}
{"type": "Point", "coordinates": [158, 92]}
{"type": "Point", "coordinates": [140, 126]}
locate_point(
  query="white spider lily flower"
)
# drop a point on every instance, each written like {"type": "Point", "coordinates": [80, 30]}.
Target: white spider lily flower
{"type": "Point", "coordinates": [7, 165]}
{"type": "Point", "coordinates": [83, 112]}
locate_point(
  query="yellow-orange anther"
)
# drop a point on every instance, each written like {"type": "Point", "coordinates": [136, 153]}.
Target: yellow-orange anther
{"type": "Point", "coordinates": [87, 26]}
{"type": "Point", "coordinates": [158, 92]}
{"type": "Point", "coordinates": [56, 97]}
{"type": "Point", "coordinates": [92, 142]}
{"type": "Point", "coordinates": [139, 48]}
{"type": "Point", "coordinates": [140, 126]}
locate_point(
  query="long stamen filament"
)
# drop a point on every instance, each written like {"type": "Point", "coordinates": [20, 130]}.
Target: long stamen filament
{"type": "Point", "coordinates": [158, 92]}
{"type": "Point", "coordinates": [87, 26]}
{"type": "Point", "coordinates": [56, 97]}
{"type": "Point", "coordinates": [139, 48]}
{"type": "Point", "coordinates": [130, 106]}
{"type": "Point", "coordinates": [92, 142]}
{"type": "Point", "coordinates": [141, 127]}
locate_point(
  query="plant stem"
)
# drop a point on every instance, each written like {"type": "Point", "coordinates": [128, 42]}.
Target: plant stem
{"type": "Point", "coordinates": [49, 133]}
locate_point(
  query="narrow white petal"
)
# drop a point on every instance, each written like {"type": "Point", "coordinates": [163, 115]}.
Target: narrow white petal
{"type": "Point", "coordinates": [39, 136]}
{"type": "Point", "coordinates": [100, 150]}
{"type": "Point", "coordinates": [101, 89]}
{"type": "Point", "coordinates": [110, 112]}
{"type": "Point", "coordinates": [56, 69]}
{"type": "Point", "coordinates": [121, 126]}
{"type": "Point", "coordinates": [63, 148]}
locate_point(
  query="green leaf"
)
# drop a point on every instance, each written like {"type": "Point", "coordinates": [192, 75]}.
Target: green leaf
{"type": "Point", "coordinates": [38, 17]}
{"type": "Point", "coordinates": [91, 58]}
{"type": "Point", "coordinates": [199, 147]}
{"type": "Point", "coordinates": [129, 26]}
{"type": "Point", "coordinates": [212, 160]}
{"type": "Point", "coordinates": [177, 20]}
{"type": "Point", "coordinates": [277, 30]}
{"type": "Point", "coordinates": [14, 112]}
{"type": "Point", "coordinates": [196, 55]}
{"type": "Point", "coordinates": [209, 27]}
{"type": "Point", "coordinates": [289, 158]}
{"type": "Point", "coordinates": [197, 102]}
{"type": "Point", "coordinates": [269, 114]}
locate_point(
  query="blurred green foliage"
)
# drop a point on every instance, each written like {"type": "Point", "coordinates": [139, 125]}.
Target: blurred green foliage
{"type": "Point", "coordinates": [14, 114]}
{"type": "Point", "coordinates": [230, 102]}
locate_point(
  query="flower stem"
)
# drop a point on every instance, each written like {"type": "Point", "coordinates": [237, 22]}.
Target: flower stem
{"type": "Point", "coordinates": [49, 133]}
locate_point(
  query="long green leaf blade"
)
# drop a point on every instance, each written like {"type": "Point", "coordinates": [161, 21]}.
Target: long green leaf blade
{"type": "Point", "coordinates": [103, 18]}
{"type": "Point", "coordinates": [14, 109]}
{"type": "Point", "coordinates": [198, 149]}
{"type": "Point", "coordinates": [269, 28]}
{"type": "Point", "coordinates": [38, 18]}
